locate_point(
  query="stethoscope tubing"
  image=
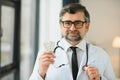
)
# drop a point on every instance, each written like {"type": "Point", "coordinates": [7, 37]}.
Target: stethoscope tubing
{"type": "Point", "coordinates": [57, 47]}
{"type": "Point", "coordinates": [86, 64]}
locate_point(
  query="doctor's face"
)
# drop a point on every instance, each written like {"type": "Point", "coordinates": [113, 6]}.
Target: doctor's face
{"type": "Point", "coordinates": [74, 26]}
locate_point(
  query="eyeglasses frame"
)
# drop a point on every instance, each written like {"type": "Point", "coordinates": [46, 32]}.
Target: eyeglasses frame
{"type": "Point", "coordinates": [73, 22]}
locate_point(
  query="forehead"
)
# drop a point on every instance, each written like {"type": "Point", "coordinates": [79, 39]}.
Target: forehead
{"type": "Point", "coordinates": [73, 17]}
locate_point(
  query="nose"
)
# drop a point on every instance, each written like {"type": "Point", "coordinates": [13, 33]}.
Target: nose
{"type": "Point", "coordinates": [72, 27]}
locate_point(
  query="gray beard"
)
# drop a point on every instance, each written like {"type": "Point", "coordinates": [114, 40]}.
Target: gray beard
{"type": "Point", "coordinates": [71, 39]}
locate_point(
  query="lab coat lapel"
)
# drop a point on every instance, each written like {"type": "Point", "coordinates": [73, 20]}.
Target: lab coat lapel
{"type": "Point", "coordinates": [81, 65]}
{"type": "Point", "coordinates": [91, 62]}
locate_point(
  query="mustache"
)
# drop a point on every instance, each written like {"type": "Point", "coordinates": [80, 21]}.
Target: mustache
{"type": "Point", "coordinates": [75, 39]}
{"type": "Point", "coordinates": [75, 31]}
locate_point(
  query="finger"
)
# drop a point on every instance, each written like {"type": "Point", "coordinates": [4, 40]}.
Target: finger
{"type": "Point", "coordinates": [46, 58]}
{"type": "Point", "coordinates": [47, 55]}
{"type": "Point", "coordinates": [46, 61]}
{"type": "Point", "coordinates": [92, 72]}
{"type": "Point", "coordinates": [92, 76]}
{"type": "Point", "coordinates": [91, 69]}
{"type": "Point", "coordinates": [48, 52]}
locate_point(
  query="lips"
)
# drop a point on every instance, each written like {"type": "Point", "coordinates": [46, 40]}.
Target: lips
{"type": "Point", "coordinates": [73, 33]}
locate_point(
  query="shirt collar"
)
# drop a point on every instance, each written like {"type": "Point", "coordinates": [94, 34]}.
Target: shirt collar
{"type": "Point", "coordinates": [81, 45]}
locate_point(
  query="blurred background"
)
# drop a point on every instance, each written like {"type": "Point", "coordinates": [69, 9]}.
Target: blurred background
{"type": "Point", "coordinates": [26, 24]}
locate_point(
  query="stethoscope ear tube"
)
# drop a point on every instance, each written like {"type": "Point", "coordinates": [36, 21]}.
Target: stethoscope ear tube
{"type": "Point", "coordinates": [57, 47]}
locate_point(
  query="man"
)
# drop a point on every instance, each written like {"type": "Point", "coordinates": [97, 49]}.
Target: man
{"type": "Point", "coordinates": [73, 58]}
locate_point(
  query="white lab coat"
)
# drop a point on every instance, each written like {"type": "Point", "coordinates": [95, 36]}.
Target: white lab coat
{"type": "Point", "coordinates": [97, 57]}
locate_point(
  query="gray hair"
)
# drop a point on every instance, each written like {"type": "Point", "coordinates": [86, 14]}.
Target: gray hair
{"type": "Point", "coordinates": [74, 8]}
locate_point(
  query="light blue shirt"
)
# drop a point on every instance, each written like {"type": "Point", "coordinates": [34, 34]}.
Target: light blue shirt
{"type": "Point", "coordinates": [96, 57]}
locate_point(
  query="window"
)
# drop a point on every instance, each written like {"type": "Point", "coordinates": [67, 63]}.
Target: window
{"type": "Point", "coordinates": [9, 39]}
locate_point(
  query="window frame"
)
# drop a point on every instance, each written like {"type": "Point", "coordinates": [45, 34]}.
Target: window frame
{"type": "Point", "coordinates": [15, 66]}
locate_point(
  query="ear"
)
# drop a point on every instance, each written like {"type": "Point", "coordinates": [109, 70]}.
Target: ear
{"type": "Point", "coordinates": [87, 25]}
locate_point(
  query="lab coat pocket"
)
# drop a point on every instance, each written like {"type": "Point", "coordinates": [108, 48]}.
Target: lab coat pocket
{"type": "Point", "coordinates": [59, 73]}
{"type": "Point", "coordinates": [60, 70]}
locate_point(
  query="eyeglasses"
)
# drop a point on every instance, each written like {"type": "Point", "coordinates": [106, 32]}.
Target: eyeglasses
{"type": "Point", "coordinates": [78, 24]}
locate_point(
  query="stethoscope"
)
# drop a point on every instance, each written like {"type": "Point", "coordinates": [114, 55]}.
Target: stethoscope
{"type": "Point", "coordinates": [86, 64]}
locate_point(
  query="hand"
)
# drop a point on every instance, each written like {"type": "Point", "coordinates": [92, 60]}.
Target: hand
{"type": "Point", "coordinates": [92, 72]}
{"type": "Point", "coordinates": [45, 60]}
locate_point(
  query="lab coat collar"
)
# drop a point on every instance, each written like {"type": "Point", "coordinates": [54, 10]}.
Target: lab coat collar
{"type": "Point", "coordinates": [81, 45]}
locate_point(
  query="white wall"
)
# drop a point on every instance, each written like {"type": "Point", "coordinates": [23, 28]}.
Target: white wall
{"type": "Point", "coordinates": [27, 38]}
{"type": "Point", "coordinates": [49, 21]}
{"type": "Point", "coordinates": [105, 25]}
